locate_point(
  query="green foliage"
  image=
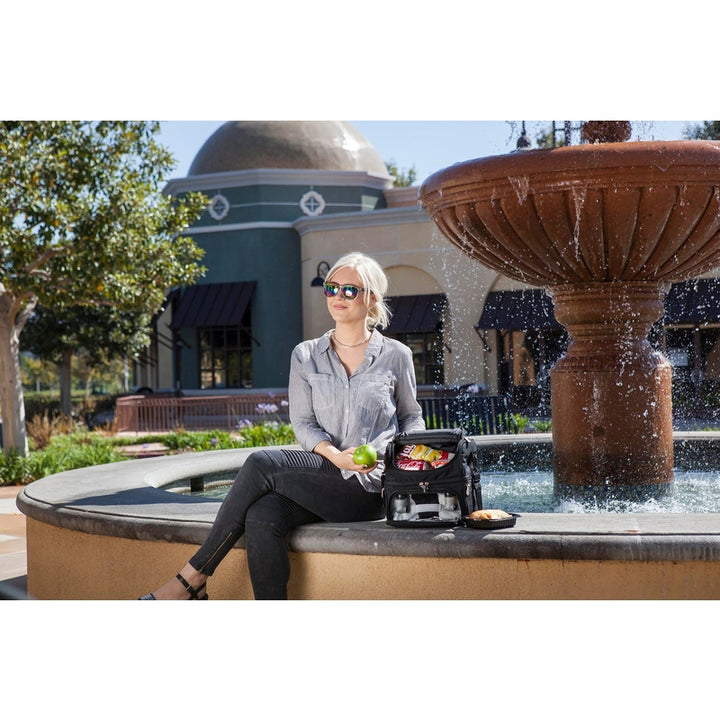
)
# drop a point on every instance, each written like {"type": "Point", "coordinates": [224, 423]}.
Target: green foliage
{"type": "Point", "coordinates": [78, 450]}
{"type": "Point", "coordinates": [47, 403]}
{"type": "Point", "coordinates": [513, 423]}
{"type": "Point", "coordinates": [85, 220]}
{"type": "Point", "coordinates": [251, 435]}
{"type": "Point", "coordinates": [402, 178]}
{"type": "Point", "coordinates": [83, 448]}
{"type": "Point", "coordinates": [199, 441]}
{"type": "Point", "coordinates": [709, 130]}
{"type": "Point", "coordinates": [35, 372]}
{"type": "Point", "coordinates": [14, 469]}
{"type": "Point", "coordinates": [508, 423]}
{"type": "Point", "coordinates": [41, 428]}
{"type": "Point", "coordinates": [84, 223]}
{"type": "Point", "coordinates": [432, 422]}
{"type": "Point", "coordinates": [267, 433]}
{"type": "Point", "coordinates": [543, 426]}
{"type": "Point", "coordinates": [63, 452]}
{"type": "Point", "coordinates": [550, 138]}
{"type": "Point", "coordinates": [101, 332]}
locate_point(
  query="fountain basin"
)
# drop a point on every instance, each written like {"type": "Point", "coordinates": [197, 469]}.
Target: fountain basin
{"type": "Point", "coordinates": [637, 211]}
{"type": "Point", "coordinates": [605, 228]}
{"type": "Point", "coordinates": [112, 532]}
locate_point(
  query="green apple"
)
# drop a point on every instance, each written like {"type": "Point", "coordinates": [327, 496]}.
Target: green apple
{"type": "Point", "coordinates": [365, 455]}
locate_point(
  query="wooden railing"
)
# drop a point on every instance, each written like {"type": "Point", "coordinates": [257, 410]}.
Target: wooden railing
{"type": "Point", "coordinates": [476, 414]}
{"type": "Point", "coordinates": [161, 413]}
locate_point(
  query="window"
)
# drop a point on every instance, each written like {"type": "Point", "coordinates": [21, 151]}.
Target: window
{"type": "Point", "coordinates": [427, 350]}
{"type": "Point", "coordinates": [416, 320]}
{"type": "Point", "coordinates": [694, 353]}
{"type": "Point", "coordinates": [225, 357]}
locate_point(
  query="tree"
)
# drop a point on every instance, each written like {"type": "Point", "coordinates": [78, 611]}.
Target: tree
{"type": "Point", "coordinates": [709, 130]}
{"type": "Point", "coordinates": [83, 223]}
{"type": "Point", "coordinates": [36, 372]}
{"type": "Point", "coordinates": [99, 333]}
{"type": "Point", "coordinates": [402, 178]}
{"type": "Point", "coordinates": [552, 137]}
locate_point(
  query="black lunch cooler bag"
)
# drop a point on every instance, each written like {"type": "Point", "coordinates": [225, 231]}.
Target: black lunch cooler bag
{"type": "Point", "coordinates": [431, 478]}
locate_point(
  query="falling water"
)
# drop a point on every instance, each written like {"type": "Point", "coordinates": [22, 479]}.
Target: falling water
{"type": "Point", "coordinates": [532, 491]}
{"type": "Point", "coordinates": [460, 284]}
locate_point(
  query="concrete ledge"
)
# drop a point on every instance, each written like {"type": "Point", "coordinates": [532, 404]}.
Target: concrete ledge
{"type": "Point", "coordinates": [112, 532]}
{"type": "Point", "coordinates": [126, 500]}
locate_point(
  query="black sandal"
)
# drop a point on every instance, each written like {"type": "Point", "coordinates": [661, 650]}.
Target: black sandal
{"type": "Point", "coordinates": [193, 592]}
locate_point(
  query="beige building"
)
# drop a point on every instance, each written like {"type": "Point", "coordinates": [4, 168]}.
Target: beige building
{"type": "Point", "coordinates": [419, 262]}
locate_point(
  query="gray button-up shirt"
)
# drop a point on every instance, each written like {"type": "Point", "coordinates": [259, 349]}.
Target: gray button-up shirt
{"type": "Point", "coordinates": [370, 406]}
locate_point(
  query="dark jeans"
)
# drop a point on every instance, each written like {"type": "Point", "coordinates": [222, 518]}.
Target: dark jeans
{"type": "Point", "coordinates": [274, 492]}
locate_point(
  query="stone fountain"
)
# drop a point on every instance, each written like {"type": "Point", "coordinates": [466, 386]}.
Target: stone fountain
{"type": "Point", "coordinates": [605, 227]}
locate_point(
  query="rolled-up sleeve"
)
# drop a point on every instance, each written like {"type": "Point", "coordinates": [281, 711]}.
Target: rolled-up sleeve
{"type": "Point", "coordinates": [302, 416]}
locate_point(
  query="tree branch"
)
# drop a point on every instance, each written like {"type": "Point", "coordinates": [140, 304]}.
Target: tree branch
{"type": "Point", "coordinates": [25, 312]}
{"type": "Point", "coordinates": [32, 268]}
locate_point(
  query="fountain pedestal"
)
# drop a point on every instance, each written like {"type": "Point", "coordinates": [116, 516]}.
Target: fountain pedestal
{"type": "Point", "coordinates": [611, 392]}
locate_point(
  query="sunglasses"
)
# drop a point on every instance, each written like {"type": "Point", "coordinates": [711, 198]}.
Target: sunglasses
{"type": "Point", "coordinates": [348, 292]}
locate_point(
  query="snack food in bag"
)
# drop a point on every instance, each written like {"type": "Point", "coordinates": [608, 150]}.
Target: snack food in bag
{"type": "Point", "coordinates": [421, 457]}
{"type": "Point", "coordinates": [409, 464]}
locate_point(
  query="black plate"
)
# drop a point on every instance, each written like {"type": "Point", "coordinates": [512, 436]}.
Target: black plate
{"type": "Point", "coordinates": [491, 524]}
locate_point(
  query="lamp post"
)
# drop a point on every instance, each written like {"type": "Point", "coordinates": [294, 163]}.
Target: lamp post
{"type": "Point", "coordinates": [523, 142]}
{"type": "Point", "coordinates": [323, 269]}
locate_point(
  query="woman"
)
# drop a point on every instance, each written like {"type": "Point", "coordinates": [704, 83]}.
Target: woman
{"type": "Point", "coordinates": [349, 387]}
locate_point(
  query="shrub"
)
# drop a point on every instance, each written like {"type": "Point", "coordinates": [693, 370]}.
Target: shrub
{"type": "Point", "coordinates": [59, 446]}
{"type": "Point", "coordinates": [14, 469]}
{"type": "Point", "coordinates": [75, 450]}
{"type": "Point", "coordinates": [42, 428]}
{"type": "Point", "coordinates": [63, 452]}
{"type": "Point", "coordinates": [267, 433]}
{"type": "Point", "coordinates": [543, 426]}
{"type": "Point", "coordinates": [513, 423]}
{"type": "Point", "coordinates": [200, 441]}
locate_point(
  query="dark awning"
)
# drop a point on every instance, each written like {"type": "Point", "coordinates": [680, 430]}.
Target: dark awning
{"type": "Point", "coordinates": [415, 313]}
{"type": "Point", "coordinates": [517, 310]}
{"type": "Point", "coordinates": [693, 302]}
{"type": "Point", "coordinates": [212, 305]}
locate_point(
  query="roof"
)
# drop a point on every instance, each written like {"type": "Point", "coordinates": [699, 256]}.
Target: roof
{"type": "Point", "coordinates": [693, 302]}
{"type": "Point", "coordinates": [300, 145]}
{"type": "Point", "coordinates": [415, 313]}
{"type": "Point", "coordinates": [517, 310]}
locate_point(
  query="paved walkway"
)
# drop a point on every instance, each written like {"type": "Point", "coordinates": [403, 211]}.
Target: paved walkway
{"type": "Point", "coordinates": [13, 555]}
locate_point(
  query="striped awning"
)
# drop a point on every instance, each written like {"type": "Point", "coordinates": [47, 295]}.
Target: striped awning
{"type": "Point", "coordinates": [212, 305]}
{"type": "Point", "coordinates": [517, 310]}
{"type": "Point", "coordinates": [415, 313]}
{"type": "Point", "coordinates": [693, 302]}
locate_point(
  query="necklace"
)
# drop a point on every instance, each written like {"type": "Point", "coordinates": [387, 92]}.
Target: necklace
{"type": "Point", "coordinates": [362, 342]}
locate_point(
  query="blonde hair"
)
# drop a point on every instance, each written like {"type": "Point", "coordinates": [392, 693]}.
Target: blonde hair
{"type": "Point", "coordinates": [373, 279]}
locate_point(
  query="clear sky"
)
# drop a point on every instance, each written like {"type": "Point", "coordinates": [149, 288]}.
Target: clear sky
{"type": "Point", "coordinates": [425, 145]}
{"type": "Point", "coordinates": [428, 84]}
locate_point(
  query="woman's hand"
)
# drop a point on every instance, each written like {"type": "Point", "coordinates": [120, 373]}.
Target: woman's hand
{"type": "Point", "coordinates": [342, 459]}
{"type": "Point", "coordinates": [354, 466]}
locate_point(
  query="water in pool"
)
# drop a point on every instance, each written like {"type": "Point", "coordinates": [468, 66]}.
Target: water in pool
{"type": "Point", "coordinates": [532, 491]}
